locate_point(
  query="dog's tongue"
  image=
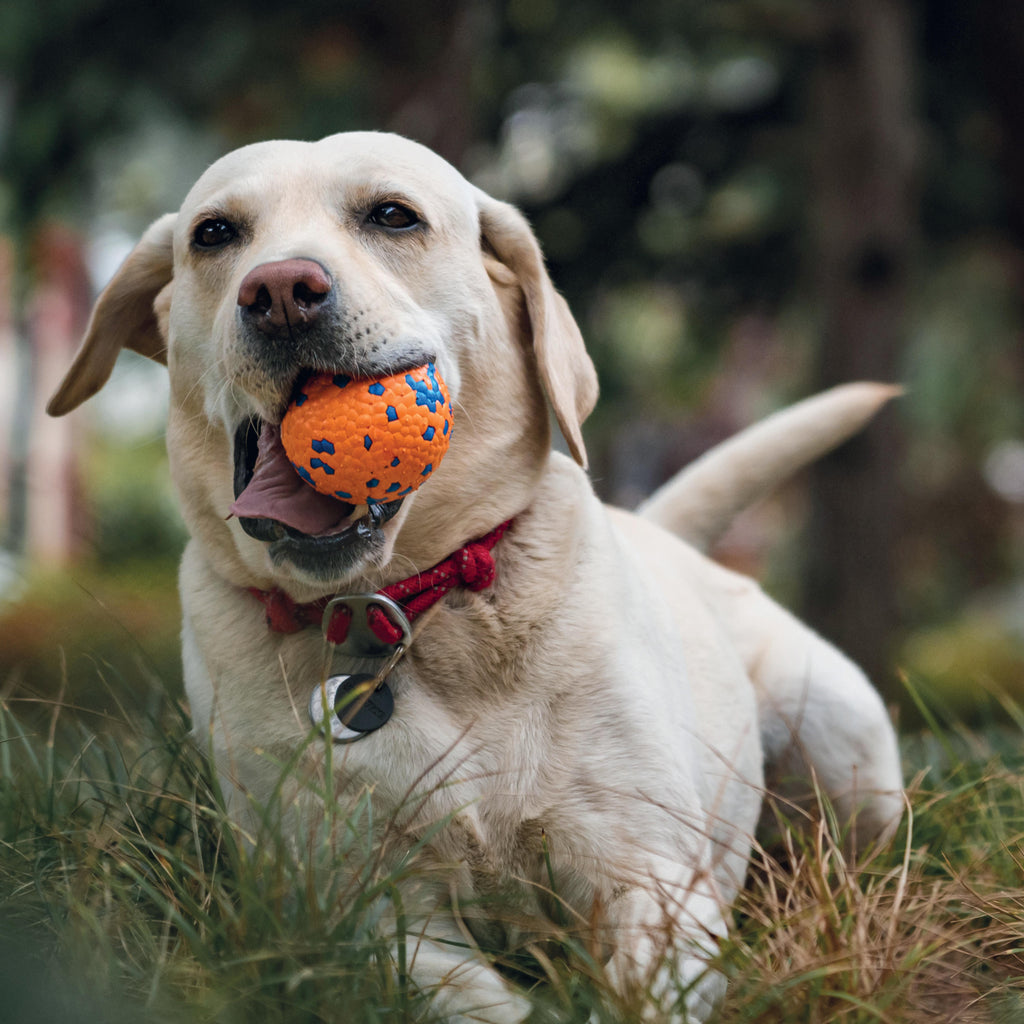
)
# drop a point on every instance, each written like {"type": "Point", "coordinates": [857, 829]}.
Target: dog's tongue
{"type": "Point", "coordinates": [276, 491]}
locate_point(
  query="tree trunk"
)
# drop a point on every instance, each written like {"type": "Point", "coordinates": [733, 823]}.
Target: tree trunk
{"type": "Point", "coordinates": [863, 217]}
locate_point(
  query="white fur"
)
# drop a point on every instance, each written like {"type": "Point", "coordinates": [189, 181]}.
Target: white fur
{"type": "Point", "coordinates": [610, 701]}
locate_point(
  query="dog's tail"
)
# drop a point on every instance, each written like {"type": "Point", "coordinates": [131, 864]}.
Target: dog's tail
{"type": "Point", "coordinates": [700, 502]}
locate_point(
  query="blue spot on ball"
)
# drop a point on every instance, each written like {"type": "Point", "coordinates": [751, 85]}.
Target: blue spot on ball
{"type": "Point", "coordinates": [370, 484]}
{"type": "Point", "coordinates": [428, 392]}
{"type": "Point", "coordinates": [322, 446]}
{"type": "Point", "coordinates": [376, 389]}
{"type": "Point", "coordinates": [428, 434]}
{"type": "Point", "coordinates": [301, 400]}
{"type": "Point", "coordinates": [304, 473]}
{"type": "Point", "coordinates": [392, 414]}
{"type": "Point", "coordinates": [344, 495]}
{"type": "Point", "coordinates": [341, 380]}
{"type": "Point", "coordinates": [427, 469]}
{"type": "Point", "coordinates": [367, 442]}
{"type": "Point", "coordinates": [320, 464]}
{"type": "Point", "coordinates": [396, 461]}
{"type": "Point", "coordinates": [394, 487]}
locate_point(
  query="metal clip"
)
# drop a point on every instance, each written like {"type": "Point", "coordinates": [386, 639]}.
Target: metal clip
{"type": "Point", "coordinates": [361, 641]}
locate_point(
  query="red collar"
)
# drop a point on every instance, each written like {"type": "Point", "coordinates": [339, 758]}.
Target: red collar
{"type": "Point", "coordinates": [471, 566]}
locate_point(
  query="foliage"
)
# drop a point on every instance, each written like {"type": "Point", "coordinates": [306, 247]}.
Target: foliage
{"type": "Point", "coordinates": [136, 514]}
{"type": "Point", "coordinates": [121, 876]}
{"type": "Point", "coordinates": [91, 72]}
{"type": "Point", "coordinates": [97, 641]}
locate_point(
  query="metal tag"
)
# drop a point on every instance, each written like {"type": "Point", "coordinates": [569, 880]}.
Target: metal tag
{"type": "Point", "coordinates": [355, 705]}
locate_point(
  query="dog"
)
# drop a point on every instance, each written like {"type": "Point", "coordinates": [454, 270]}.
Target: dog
{"type": "Point", "coordinates": [588, 715]}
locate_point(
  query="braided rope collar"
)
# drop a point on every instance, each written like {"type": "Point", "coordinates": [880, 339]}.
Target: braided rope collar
{"type": "Point", "coordinates": [471, 566]}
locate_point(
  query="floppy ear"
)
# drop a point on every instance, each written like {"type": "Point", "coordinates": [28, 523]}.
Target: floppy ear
{"type": "Point", "coordinates": [566, 371]}
{"type": "Point", "coordinates": [123, 317]}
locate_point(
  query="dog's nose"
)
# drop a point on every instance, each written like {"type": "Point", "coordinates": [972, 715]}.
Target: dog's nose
{"type": "Point", "coordinates": [286, 294]}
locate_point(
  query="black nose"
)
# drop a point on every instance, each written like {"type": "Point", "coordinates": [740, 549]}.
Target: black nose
{"type": "Point", "coordinates": [285, 295]}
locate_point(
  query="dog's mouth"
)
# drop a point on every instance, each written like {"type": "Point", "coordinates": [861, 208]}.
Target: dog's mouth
{"type": "Point", "coordinates": [273, 503]}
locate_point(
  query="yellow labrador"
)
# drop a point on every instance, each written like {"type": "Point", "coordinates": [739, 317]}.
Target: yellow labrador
{"type": "Point", "coordinates": [593, 707]}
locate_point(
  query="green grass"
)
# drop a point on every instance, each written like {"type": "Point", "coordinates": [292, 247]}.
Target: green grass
{"type": "Point", "coordinates": [126, 894]}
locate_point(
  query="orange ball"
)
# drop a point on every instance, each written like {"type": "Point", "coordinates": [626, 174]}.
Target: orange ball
{"type": "Point", "coordinates": [369, 441]}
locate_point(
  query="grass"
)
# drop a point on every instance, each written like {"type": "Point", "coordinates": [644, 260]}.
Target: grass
{"type": "Point", "coordinates": [125, 892]}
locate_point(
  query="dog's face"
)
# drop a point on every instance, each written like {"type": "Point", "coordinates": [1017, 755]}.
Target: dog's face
{"type": "Point", "coordinates": [363, 254]}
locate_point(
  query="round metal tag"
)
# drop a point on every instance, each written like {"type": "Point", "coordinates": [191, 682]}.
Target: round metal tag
{"type": "Point", "coordinates": [354, 707]}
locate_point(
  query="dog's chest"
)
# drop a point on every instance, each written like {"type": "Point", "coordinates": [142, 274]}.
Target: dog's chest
{"type": "Point", "coordinates": [514, 884]}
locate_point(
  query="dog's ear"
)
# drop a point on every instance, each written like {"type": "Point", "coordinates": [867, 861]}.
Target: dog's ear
{"type": "Point", "coordinates": [123, 317]}
{"type": "Point", "coordinates": [566, 371]}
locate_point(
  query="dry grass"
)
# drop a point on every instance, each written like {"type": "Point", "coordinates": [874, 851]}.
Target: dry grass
{"type": "Point", "coordinates": [929, 929]}
{"type": "Point", "coordinates": [824, 941]}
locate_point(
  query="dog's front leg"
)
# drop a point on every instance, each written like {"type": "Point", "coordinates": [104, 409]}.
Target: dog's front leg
{"type": "Point", "coordinates": [462, 986]}
{"type": "Point", "coordinates": [667, 934]}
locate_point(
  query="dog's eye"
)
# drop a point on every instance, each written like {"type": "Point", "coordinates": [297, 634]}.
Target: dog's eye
{"type": "Point", "coordinates": [212, 233]}
{"type": "Point", "coordinates": [393, 215]}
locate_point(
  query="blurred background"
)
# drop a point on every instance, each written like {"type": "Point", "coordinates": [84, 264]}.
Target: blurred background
{"type": "Point", "coordinates": [744, 201]}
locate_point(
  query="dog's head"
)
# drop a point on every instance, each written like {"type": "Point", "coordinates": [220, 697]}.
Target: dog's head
{"type": "Point", "coordinates": [361, 254]}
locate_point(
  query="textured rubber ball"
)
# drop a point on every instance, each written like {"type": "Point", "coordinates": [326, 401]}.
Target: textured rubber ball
{"type": "Point", "coordinates": [369, 441]}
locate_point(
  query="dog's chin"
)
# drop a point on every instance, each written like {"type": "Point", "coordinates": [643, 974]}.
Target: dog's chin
{"type": "Point", "coordinates": [328, 560]}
